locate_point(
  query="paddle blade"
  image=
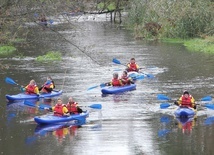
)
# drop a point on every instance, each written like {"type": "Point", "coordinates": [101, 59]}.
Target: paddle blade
{"type": "Point", "coordinates": [102, 85]}
{"type": "Point", "coordinates": [116, 61]}
{"type": "Point", "coordinates": [162, 97]}
{"type": "Point", "coordinates": [93, 87]}
{"type": "Point", "coordinates": [209, 106]}
{"type": "Point", "coordinates": [140, 77]}
{"type": "Point", "coordinates": [44, 106]}
{"type": "Point", "coordinates": [150, 76]}
{"type": "Point", "coordinates": [96, 106]}
{"type": "Point", "coordinates": [163, 132]}
{"type": "Point", "coordinates": [10, 81]}
{"type": "Point", "coordinates": [206, 98]}
{"type": "Point", "coordinates": [29, 103]}
{"type": "Point", "coordinates": [164, 105]}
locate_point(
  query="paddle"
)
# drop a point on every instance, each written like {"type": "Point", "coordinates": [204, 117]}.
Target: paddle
{"type": "Point", "coordinates": [163, 97]}
{"type": "Point", "coordinates": [116, 61]}
{"type": "Point", "coordinates": [41, 106]}
{"type": "Point", "coordinates": [11, 81]}
{"type": "Point", "coordinates": [101, 86]}
{"type": "Point", "coordinates": [44, 106]}
{"type": "Point", "coordinates": [94, 106]}
{"type": "Point", "coordinates": [166, 105]}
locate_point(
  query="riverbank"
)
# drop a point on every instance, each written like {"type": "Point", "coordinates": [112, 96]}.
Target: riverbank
{"type": "Point", "coordinates": [205, 45]}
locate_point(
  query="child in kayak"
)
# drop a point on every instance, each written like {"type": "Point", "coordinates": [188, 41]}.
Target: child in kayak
{"type": "Point", "coordinates": [59, 109]}
{"type": "Point", "coordinates": [132, 66]}
{"type": "Point", "coordinates": [125, 79]}
{"type": "Point", "coordinates": [115, 81]}
{"type": "Point", "coordinates": [48, 86]}
{"type": "Point", "coordinates": [73, 107]}
{"type": "Point", "coordinates": [31, 88]}
{"type": "Point", "coordinates": [186, 100]}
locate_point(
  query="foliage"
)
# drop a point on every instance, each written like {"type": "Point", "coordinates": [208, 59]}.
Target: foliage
{"type": "Point", "coordinates": [202, 45]}
{"type": "Point", "coordinates": [7, 50]}
{"type": "Point", "coordinates": [50, 56]}
{"type": "Point", "coordinates": [109, 6]}
{"type": "Point", "coordinates": [178, 19]}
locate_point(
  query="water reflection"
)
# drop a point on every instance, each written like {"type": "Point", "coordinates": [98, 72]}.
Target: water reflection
{"type": "Point", "coordinates": [186, 124]}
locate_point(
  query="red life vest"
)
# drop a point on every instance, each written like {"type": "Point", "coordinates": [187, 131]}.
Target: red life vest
{"type": "Point", "coordinates": [58, 110]}
{"type": "Point", "coordinates": [116, 82]}
{"type": "Point", "coordinates": [72, 108]}
{"type": "Point", "coordinates": [47, 85]}
{"type": "Point", "coordinates": [186, 101]}
{"type": "Point", "coordinates": [30, 89]}
{"type": "Point", "coordinates": [132, 67]}
{"type": "Point", "coordinates": [125, 80]}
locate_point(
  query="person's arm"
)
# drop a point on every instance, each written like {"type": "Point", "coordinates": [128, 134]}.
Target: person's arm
{"type": "Point", "coordinates": [108, 84]}
{"type": "Point", "coordinates": [36, 90]}
{"type": "Point", "coordinates": [121, 83]}
{"type": "Point", "coordinates": [65, 111]}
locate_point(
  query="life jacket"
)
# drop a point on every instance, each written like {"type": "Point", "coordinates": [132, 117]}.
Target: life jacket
{"type": "Point", "coordinates": [116, 82]}
{"type": "Point", "coordinates": [30, 89]}
{"type": "Point", "coordinates": [132, 67]}
{"type": "Point", "coordinates": [72, 108]}
{"type": "Point", "coordinates": [186, 101]}
{"type": "Point", "coordinates": [47, 84]}
{"type": "Point", "coordinates": [125, 80]}
{"type": "Point", "coordinates": [58, 110]}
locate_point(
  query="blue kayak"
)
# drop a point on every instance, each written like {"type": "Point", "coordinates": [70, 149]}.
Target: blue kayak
{"type": "Point", "coordinates": [115, 90]}
{"type": "Point", "coordinates": [185, 112]}
{"type": "Point", "coordinates": [23, 96]}
{"type": "Point", "coordinates": [51, 119]}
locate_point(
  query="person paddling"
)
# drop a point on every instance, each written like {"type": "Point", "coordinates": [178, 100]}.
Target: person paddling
{"type": "Point", "coordinates": [31, 88]}
{"type": "Point", "coordinates": [115, 81]}
{"type": "Point", "coordinates": [48, 86]}
{"type": "Point", "coordinates": [59, 109]}
{"type": "Point", "coordinates": [73, 107]}
{"type": "Point", "coordinates": [132, 66]}
{"type": "Point", "coordinates": [186, 100]}
{"type": "Point", "coordinates": [125, 79]}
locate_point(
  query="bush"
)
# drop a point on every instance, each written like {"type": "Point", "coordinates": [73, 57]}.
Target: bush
{"type": "Point", "coordinates": [50, 56]}
{"type": "Point", "coordinates": [7, 50]}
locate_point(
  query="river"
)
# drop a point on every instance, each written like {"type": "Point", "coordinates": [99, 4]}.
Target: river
{"type": "Point", "coordinates": [128, 124]}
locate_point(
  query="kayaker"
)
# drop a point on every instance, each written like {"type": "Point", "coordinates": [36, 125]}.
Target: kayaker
{"type": "Point", "coordinates": [115, 81]}
{"type": "Point", "coordinates": [48, 86]}
{"type": "Point", "coordinates": [59, 109]}
{"type": "Point", "coordinates": [186, 100]}
{"type": "Point", "coordinates": [73, 107]}
{"type": "Point", "coordinates": [125, 79]}
{"type": "Point", "coordinates": [31, 88]}
{"type": "Point", "coordinates": [132, 66]}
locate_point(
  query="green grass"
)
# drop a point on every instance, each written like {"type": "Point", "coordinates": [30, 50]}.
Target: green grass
{"type": "Point", "coordinates": [173, 40]}
{"type": "Point", "coordinates": [7, 50]}
{"type": "Point", "coordinates": [50, 56]}
{"type": "Point", "coordinates": [200, 45]}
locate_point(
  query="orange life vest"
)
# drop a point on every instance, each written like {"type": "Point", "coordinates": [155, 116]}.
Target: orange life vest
{"type": "Point", "coordinates": [47, 85]}
{"type": "Point", "coordinates": [30, 89]}
{"type": "Point", "coordinates": [116, 82]}
{"type": "Point", "coordinates": [132, 67]}
{"type": "Point", "coordinates": [58, 110]}
{"type": "Point", "coordinates": [186, 101]}
{"type": "Point", "coordinates": [72, 108]}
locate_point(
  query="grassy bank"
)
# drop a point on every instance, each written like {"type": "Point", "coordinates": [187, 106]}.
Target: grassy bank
{"type": "Point", "coordinates": [198, 45]}
{"type": "Point", "coordinates": [6, 50]}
